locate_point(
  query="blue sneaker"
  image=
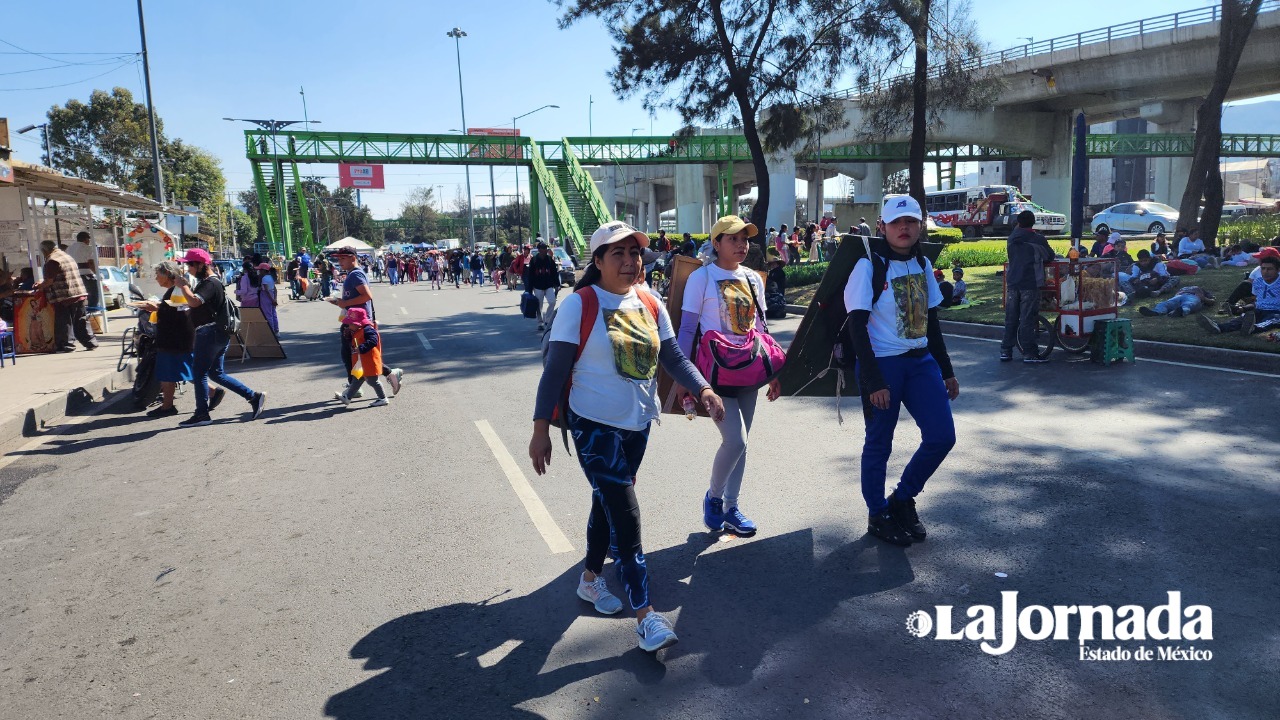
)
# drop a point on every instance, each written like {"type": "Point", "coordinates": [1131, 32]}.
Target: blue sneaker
{"type": "Point", "coordinates": [655, 633]}
{"type": "Point", "coordinates": [737, 522]}
{"type": "Point", "coordinates": [712, 512]}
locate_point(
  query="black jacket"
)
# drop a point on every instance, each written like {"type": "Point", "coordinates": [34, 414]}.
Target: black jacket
{"type": "Point", "coordinates": [544, 272]}
{"type": "Point", "coordinates": [1027, 249]}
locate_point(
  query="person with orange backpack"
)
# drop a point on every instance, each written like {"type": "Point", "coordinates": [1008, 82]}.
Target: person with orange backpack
{"type": "Point", "coordinates": [366, 347]}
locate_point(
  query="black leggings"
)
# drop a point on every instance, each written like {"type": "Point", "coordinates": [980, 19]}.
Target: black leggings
{"type": "Point", "coordinates": [1242, 291]}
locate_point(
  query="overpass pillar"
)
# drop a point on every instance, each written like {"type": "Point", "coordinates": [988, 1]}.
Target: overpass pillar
{"type": "Point", "coordinates": [609, 189]}
{"type": "Point", "coordinates": [690, 198]}
{"type": "Point", "coordinates": [868, 188]}
{"type": "Point", "coordinates": [1170, 174]}
{"type": "Point", "coordinates": [1049, 183]}
{"type": "Point", "coordinates": [813, 199]}
{"type": "Point", "coordinates": [782, 191]}
{"type": "Point", "coordinates": [651, 219]}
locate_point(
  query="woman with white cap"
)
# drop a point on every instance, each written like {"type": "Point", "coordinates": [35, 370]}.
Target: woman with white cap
{"type": "Point", "coordinates": [606, 342]}
{"type": "Point", "coordinates": [726, 297]}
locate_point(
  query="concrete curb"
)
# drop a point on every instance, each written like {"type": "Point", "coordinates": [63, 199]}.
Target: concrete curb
{"type": "Point", "coordinates": [1195, 354]}
{"type": "Point", "coordinates": [1171, 352]}
{"type": "Point", "coordinates": [102, 389]}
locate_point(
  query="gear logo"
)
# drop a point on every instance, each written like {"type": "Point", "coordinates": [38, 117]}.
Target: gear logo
{"type": "Point", "coordinates": [919, 624]}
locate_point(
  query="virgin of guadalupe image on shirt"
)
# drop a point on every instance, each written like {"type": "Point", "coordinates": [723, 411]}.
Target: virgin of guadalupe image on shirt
{"type": "Point", "coordinates": [912, 295]}
{"type": "Point", "coordinates": [633, 335]}
{"type": "Point", "coordinates": [737, 310]}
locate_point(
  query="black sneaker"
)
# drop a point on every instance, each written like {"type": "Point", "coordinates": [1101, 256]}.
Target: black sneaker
{"type": "Point", "coordinates": [162, 412]}
{"type": "Point", "coordinates": [1034, 360]}
{"type": "Point", "coordinates": [1006, 355]}
{"type": "Point", "coordinates": [887, 529]}
{"type": "Point", "coordinates": [1148, 312]}
{"type": "Point", "coordinates": [258, 402]}
{"type": "Point", "coordinates": [1209, 323]}
{"type": "Point", "coordinates": [215, 397]}
{"type": "Point", "coordinates": [904, 511]}
{"type": "Point", "coordinates": [196, 421]}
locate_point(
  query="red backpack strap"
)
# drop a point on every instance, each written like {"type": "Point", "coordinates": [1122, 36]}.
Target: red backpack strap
{"type": "Point", "coordinates": [590, 308]}
{"type": "Point", "coordinates": [650, 302]}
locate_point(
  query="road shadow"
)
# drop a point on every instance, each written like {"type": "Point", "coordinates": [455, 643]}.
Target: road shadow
{"type": "Point", "coordinates": [434, 665]}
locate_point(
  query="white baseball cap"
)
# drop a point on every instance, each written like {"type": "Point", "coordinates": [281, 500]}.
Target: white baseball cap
{"type": "Point", "coordinates": [896, 206]}
{"type": "Point", "coordinates": [616, 231]}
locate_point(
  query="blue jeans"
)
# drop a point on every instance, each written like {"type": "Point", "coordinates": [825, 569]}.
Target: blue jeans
{"type": "Point", "coordinates": [393, 275]}
{"type": "Point", "coordinates": [326, 286]}
{"type": "Point", "coordinates": [917, 383]}
{"type": "Point", "coordinates": [211, 353]}
{"type": "Point", "coordinates": [1186, 303]}
{"type": "Point", "coordinates": [477, 277]}
{"type": "Point", "coordinates": [1201, 260]}
{"type": "Point", "coordinates": [611, 457]}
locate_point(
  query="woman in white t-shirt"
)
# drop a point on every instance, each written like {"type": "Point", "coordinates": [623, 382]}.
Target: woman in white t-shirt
{"type": "Point", "coordinates": [727, 297]}
{"type": "Point", "coordinates": [611, 401]}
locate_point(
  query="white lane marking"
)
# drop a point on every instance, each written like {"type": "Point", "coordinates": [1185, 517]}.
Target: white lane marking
{"type": "Point", "coordinates": [1152, 360]}
{"type": "Point", "coordinates": [542, 520]}
{"type": "Point", "coordinates": [426, 344]}
{"type": "Point", "coordinates": [394, 295]}
{"type": "Point", "coordinates": [403, 311]}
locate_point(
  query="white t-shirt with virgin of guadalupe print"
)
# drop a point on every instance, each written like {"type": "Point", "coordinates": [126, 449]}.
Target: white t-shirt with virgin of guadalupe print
{"type": "Point", "coordinates": [722, 299]}
{"type": "Point", "coordinates": [900, 320]}
{"type": "Point", "coordinates": [613, 380]}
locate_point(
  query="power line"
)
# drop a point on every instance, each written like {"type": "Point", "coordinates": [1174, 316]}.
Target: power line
{"type": "Point", "coordinates": [74, 82]}
{"type": "Point", "coordinates": [107, 61]}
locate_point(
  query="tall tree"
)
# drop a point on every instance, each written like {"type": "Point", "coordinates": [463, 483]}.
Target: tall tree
{"type": "Point", "coordinates": [943, 42]}
{"type": "Point", "coordinates": [714, 60]}
{"type": "Point", "coordinates": [1205, 180]}
{"type": "Point", "coordinates": [418, 209]}
{"type": "Point", "coordinates": [105, 139]}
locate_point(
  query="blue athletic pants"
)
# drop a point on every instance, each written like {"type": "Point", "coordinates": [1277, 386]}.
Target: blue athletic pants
{"type": "Point", "coordinates": [917, 383]}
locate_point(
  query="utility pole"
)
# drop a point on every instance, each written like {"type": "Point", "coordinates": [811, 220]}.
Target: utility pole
{"type": "Point", "coordinates": [457, 34]}
{"type": "Point", "coordinates": [151, 111]}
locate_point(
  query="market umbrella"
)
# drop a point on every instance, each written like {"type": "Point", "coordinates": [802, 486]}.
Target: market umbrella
{"type": "Point", "coordinates": [350, 242]}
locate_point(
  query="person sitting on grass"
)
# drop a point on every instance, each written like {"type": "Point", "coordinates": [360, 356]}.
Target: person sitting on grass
{"type": "Point", "coordinates": [952, 292]}
{"type": "Point", "coordinates": [1245, 289]}
{"type": "Point", "coordinates": [1265, 305]}
{"type": "Point", "coordinates": [1235, 256]}
{"type": "Point", "coordinates": [1147, 277]}
{"type": "Point", "coordinates": [1188, 300]}
{"type": "Point", "coordinates": [1120, 251]}
{"type": "Point", "coordinates": [1191, 249]}
{"type": "Point", "coordinates": [1100, 243]}
{"type": "Point", "coordinates": [1161, 248]}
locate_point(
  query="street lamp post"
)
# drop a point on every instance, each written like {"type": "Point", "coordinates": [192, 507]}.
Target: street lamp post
{"type": "Point", "coordinates": [457, 34]}
{"type": "Point", "coordinates": [275, 126]}
{"type": "Point", "coordinates": [519, 227]}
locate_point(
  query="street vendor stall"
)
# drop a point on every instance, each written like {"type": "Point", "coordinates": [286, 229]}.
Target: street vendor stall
{"type": "Point", "coordinates": [42, 204]}
{"type": "Point", "coordinates": [1083, 292]}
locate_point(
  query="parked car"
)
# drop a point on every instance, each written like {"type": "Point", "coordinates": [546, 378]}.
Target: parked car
{"type": "Point", "coordinates": [1136, 217]}
{"type": "Point", "coordinates": [228, 269]}
{"type": "Point", "coordinates": [568, 268]}
{"type": "Point", "coordinates": [115, 286]}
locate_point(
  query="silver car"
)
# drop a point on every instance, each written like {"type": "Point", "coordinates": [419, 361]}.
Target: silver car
{"type": "Point", "coordinates": [115, 286]}
{"type": "Point", "coordinates": [1136, 217]}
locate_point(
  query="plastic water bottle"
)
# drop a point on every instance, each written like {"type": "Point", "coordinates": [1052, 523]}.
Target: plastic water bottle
{"type": "Point", "coordinates": [690, 407]}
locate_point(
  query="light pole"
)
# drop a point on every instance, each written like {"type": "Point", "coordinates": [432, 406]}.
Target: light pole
{"type": "Point", "coordinates": [519, 227]}
{"type": "Point", "coordinates": [275, 126]}
{"type": "Point", "coordinates": [635, 130]}
{"type": "Point", "coordinates": [457, 34]}
{"type": "Point", "coordinates": [151, 111]}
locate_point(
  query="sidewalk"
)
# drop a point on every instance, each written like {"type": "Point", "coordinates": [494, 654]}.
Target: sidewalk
{"type": "Point", "coordinates": [39, 390]}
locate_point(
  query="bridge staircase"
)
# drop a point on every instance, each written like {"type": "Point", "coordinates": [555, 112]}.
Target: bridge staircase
{"type": "Point", "coordinates": [269, 184]}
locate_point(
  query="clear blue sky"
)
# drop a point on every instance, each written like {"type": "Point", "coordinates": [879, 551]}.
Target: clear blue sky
{"type": "Point", "coordinates": [376, 65]}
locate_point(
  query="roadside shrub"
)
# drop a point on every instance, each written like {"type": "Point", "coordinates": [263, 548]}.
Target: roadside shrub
{"type": "Point", "coordinates": [986, 252]}
{"type": "Point", "coordinates": [946, 235]}
{"type": "Point", "coordinates": [1257, 228]}
{"type": "Point", "coordinates": [675, 237]}
{"type": "Point", "coordinates": [804, 274]}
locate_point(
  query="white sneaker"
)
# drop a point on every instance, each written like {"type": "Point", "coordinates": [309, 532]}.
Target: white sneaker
{"type": "Point", "coordinates": [656, 633]}
{"type": "Point", "coordinates": [359, 393]}
{"type": "Point", "coordinates": [394, 378]}
{"type": "Point", "coordinates": [380, 402]}
{"type": "Point", "coordinates": [342, 398]}
{"type": "Point", "coordinates": [597, 593]}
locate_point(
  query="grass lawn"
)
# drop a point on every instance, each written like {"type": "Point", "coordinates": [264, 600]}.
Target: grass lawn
{"type": "Point", "coordinates": [985, 288]}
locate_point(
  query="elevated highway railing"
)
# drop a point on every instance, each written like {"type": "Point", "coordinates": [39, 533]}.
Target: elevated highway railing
{"type": "Point", "coordinates": [1172, 21]}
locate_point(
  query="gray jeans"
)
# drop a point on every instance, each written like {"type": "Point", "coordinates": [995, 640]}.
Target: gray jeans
{"type": "Point", "coordinates": [730, 463]}
{"type": "Point", "coordinates": [1020, 310]}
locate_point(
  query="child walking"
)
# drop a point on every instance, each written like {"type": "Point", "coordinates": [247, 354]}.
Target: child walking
{"type": "Point", "coordinates": [367, 346]}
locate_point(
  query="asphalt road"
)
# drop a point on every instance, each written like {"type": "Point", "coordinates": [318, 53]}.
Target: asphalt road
{"type": "Point", "coordinates": [375, 563]}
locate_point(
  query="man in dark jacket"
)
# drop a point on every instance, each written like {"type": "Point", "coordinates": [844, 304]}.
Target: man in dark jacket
{"type": "Point", "coordinates": [1028, 252]}
{"type": "Point", "coordinates": [544, 282]}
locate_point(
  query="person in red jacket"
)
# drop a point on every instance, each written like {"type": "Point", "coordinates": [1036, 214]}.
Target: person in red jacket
{"type": "Point", "coordinates": [366, 346]}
